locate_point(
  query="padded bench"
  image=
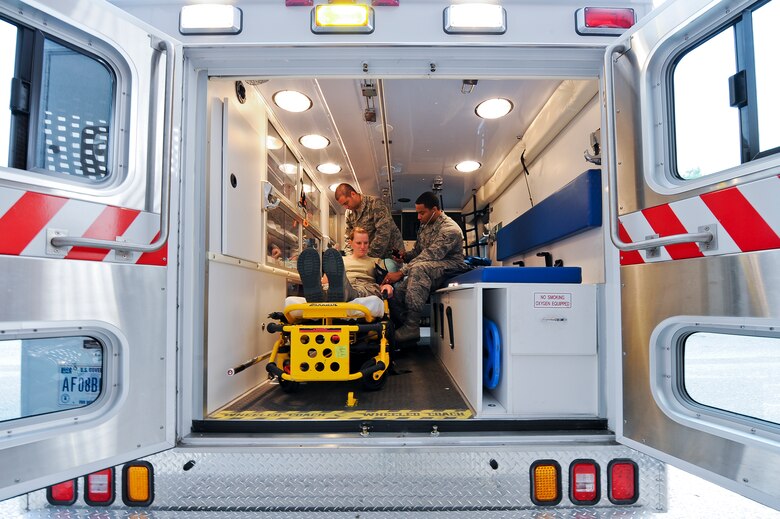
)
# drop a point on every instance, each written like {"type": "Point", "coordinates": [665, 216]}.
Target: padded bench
{"type": "Point", "coordinates": [519, 275]}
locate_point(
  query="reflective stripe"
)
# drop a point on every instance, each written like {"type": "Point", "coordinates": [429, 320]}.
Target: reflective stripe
{"type": "Point", "coordinates": [23, 220]}
{"type": "Point", "coordinates": [747, 219]}
{"type": "Point", "coordinates": [26, 217]}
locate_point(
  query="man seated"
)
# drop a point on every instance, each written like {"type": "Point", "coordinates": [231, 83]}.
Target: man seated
{"type": "Point", "coordinates": [347, 278]}
{"type": "Point", "coordinates": [437, 255]}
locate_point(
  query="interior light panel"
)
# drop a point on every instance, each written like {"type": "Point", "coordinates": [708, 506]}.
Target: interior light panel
{"type": "Point", "coordinates": [342, 18]}
{"type": "Point", "coordinates": [210, 19]}
{"type": "Point", "coordinates": [475, 19]}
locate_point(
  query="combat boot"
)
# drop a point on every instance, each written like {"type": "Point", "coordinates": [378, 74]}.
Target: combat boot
{"type": "Point", "coordinates": [410, 331]}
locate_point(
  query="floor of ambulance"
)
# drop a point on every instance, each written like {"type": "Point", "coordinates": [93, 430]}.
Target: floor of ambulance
{"type": "Point", "coordinates": [417, 388]}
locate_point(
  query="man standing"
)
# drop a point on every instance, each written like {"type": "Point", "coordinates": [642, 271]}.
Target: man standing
{"type": "Point", "coordinates": [370, 213]}
{"type": "Point", "coordinates": [437, 255]}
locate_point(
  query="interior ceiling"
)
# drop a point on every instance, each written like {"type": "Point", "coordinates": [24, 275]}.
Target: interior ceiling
{"type": "Point", "coordinates": [434, 126]}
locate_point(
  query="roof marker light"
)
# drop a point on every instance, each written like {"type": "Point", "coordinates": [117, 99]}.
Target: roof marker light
{"type": "Point", "coordinates": [138, 483]}
{"type": "Point", "coordinates": [210, 19]}
{"type": "Point", "coordinates": [545, 483]}
{"type": "Point", "coordinates": [475, 19]}
{"type": "Point", "coordinates": [63, 494]}
{"type": "Point", "coordinates": [342, 18]}
{"type": "Point", "coordinates": [99, 487]}
{"type": "Point", "coordinates": [604, 21]}
{"type": "Point", "coordinates": [584, 482]}
{"type": "Point", "coordinates": [623, 480]}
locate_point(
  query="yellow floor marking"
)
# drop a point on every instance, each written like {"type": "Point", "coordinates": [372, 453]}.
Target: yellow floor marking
{"type": "Point", "coordinates": [399, 414]}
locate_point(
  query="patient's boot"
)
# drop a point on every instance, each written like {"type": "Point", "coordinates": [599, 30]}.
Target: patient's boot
{"type": "Point", "coordinates": [333, 266]}
{"type": "Point", "coordinates": [410, 331]}
{"type": "Point", "coordinates": [309, 269]}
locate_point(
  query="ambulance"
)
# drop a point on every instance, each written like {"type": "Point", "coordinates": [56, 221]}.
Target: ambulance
{"type": "Point", "coordinates": [164, 162]}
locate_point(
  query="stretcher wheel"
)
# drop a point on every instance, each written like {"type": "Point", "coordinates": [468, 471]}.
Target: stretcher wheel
{"type": "Point", "coordinates": [369, 383]}
{"type": "Point", "coordinates": [289, 386]}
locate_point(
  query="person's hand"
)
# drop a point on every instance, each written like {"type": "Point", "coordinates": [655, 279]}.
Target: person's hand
{"type": "Point", "coordinates": [387, 289]}
{"type": "Point", "coordinates": [324, 279]}
{"type": "Point", "coordinates": [392, 277]}
{"type": "Point", "coordinates": [398, 255]}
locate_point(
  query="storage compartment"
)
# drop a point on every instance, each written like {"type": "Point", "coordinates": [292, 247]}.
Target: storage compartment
{"type": "Point", "coordinates": [548, 355]}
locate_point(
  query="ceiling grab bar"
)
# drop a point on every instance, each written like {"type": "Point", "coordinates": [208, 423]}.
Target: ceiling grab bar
{"type": "Point", "coordinates": [165, 189]}
{"type": "Point", "coordinates": [651, 243]}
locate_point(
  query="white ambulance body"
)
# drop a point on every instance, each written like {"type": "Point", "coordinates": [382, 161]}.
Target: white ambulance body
{"type": "Point", "coordinates": [154, 196]}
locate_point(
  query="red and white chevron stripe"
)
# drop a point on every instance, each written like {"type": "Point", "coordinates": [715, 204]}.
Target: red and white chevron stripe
{"type": "Point", "coordinates": [25, 217]}
{"type": "Point", "coordinates": [747, 218]}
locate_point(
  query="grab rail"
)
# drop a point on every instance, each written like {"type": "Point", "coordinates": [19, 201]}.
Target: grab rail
{"type": "Point", "coordinates": [165, 190]}
{"type": "Point", "coordinates": [651, 243]}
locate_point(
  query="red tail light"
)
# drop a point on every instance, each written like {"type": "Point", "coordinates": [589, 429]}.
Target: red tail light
{"type": "Point", "coordinates": [63, 494]}
{"type": "Point", "coordinates": [623, 476]}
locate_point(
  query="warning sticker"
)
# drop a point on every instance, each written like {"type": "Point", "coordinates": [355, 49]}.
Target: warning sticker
{"type": "Point", "coordinates": [552, 300]}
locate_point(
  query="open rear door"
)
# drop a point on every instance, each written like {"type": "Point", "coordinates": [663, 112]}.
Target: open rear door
{"type": "Point", "coordinates": [87, 262]}
{"type": "Point", "coordinates": [693, 147]}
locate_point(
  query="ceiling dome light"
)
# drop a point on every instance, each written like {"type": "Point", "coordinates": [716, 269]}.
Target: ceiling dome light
{"type": "Point", "coordinates": [494, 108]}
{"type": "Point", "coordinates": [292, 101]}
{"type": "Point", "coordinates": [467, 166]}
{"type": "Point", "coordinates": [333, 187]}
{"type": "Point", "coordinates": [273, 143]}
{"type": "Point", "coordinates": [290, 169]}
{"type": "Point", "coordinates": [329, 168]}
{"type": "Point", "coordinates": [314, 141]}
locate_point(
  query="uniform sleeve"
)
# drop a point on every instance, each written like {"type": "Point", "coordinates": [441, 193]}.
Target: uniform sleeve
{"type": "Point", "coordinates": [350, 219]}
{"type": "Point", "coordinates": [383, 234]}
{"type": "Point", "coordinates": [448, 240]}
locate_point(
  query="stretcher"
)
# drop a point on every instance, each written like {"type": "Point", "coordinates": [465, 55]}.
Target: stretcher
{"type": "Point", "coordinates": [331, 342]}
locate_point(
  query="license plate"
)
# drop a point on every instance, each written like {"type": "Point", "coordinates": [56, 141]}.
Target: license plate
{"type": "Point", "coordinates": [79, 385]}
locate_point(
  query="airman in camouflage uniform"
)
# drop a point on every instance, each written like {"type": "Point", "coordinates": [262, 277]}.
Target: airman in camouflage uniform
{"type": "Point", "coordinates": [370, 213]}
{"type": "Point", "coordinates": [437, 255]}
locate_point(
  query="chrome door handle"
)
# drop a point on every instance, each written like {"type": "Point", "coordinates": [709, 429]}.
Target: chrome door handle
{"type": "Point", "coordinates": [165, 191]}
{"type": "Point", "coordinates": [651, 243]}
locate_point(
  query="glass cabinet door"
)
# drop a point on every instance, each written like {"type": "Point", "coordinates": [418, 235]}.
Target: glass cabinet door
{"type": "Point", "coordinates": [282, 165]}
{"type": "Point", "coordinates": [283, 237]}
{"type": "Point", "coordinates": [312, 197]}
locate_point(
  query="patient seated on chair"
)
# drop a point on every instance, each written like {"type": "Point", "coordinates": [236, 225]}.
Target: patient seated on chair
{"type": "Point", "coordinates": [347, 278]}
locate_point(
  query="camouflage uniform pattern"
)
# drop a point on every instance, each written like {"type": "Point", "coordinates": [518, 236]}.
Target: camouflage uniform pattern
{"type": "Point", "coordinates": [383, 234]}
{"type": "Point", "coordinates": [437, 255]}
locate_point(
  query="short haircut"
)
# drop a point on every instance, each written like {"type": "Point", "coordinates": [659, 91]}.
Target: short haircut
{"type": "Point", "coordinates": [344, 189]}
{"type": "Point", "coordinates": [357, 230]}
{"type": "Point", "coordinates": [429, 200]}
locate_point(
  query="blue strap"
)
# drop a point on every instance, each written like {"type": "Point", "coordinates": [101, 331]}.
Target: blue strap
{"type": "Point", "coordinates": [491, 354]}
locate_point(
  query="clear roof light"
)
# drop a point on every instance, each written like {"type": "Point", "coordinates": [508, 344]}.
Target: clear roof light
{"type": "Point", "coordinates": [333, 187]}
{"type": "Point", "coordinates": [314, 141]}
{"type": "Point", "coordinates": [210, 19]}
{"type": "Point", "coordinates": [475, 18]}
{"type": "Point", "coordinates": [494, 108]}
{"type": "Point", "coordinates": [467, 166]}
{"type": "Point", "coordinates": [329, 168]}
{"type": "Point", "coordinates": [292, 101]}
